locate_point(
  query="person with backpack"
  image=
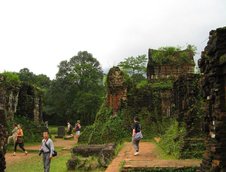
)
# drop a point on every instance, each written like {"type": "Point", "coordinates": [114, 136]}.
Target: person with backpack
{"type": "Point", "coordinates": [47, 151]}
{"type": "Point", "coordinates": [136, 135]}
{"type": "Point", "coordinates": [77, 130]}
{"type": "Point", "coordinates": [19, 140]}
{"type": "Point", "coordinates": [14, 135]}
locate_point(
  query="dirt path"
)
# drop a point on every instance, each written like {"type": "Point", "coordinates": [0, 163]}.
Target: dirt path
{"type": "Point", "coordinates": [147, 158]}
{"type": "Point", "coordinates": [33, 151]}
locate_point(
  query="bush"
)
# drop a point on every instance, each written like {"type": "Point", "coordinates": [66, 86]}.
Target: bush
{"type": "Point", "coordinates": [172, 140]}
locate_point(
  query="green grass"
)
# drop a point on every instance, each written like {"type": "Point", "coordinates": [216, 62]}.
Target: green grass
{"type": "Point", "coordinates": [53, 129]}
{"type": "Point", "coordinates": [34, 164]}
{"type": "Point", "coordinates": [161, 154]}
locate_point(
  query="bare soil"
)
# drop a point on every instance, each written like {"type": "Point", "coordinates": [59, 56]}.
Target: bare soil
{"type": "Point", "coordinates": [33, 151]}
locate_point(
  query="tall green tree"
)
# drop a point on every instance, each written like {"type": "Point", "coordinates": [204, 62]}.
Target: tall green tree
{"type": "Point", "coordinates": [42, 81]}
{"type": "Point", "coordinates": [134, 65]}
{"type": "Point", "coordinates": [135, 68]}
{"type": "Point", "coordinates": [78, 89]}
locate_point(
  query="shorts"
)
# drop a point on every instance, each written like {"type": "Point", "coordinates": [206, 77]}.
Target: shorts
{"type": "Point", "coordinates": [77, 132]}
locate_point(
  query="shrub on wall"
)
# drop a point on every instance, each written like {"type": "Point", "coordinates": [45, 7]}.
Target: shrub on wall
{"type": "Point", "coordinates": [172, 140]}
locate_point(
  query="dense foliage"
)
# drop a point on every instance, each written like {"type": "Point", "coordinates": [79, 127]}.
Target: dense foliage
{"type": "Point", "coordinates": [106, 129]}
{"type": "Point", "coordinates": [172, 140]}
{"type": "Point", "coordinates": [174, 55]}
{"type": "Point", "coordinates": [134, 68]}
{"type": "Point", "coordinates": [77, 91]}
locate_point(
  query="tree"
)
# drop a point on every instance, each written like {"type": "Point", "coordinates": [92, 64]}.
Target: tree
{"type": "Point", "coordinates": [78, 89]}
{"type": "Point", "coordinates": [134, 65]}
{"type": "Point", "coordinates": [42, 81]}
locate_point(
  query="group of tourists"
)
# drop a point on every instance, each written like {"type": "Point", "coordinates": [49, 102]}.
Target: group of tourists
{"type": "Point", "coordinates": [47, 146]}
{"type": "Point", "coordinates": [76, 129]}
{"type": "Point", "coordinates": [17, 138]}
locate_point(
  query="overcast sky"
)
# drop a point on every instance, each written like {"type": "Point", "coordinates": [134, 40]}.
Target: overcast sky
{"type": "Point", "coordinates": [40, 34]}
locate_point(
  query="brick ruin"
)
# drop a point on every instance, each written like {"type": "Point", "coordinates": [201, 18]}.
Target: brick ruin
{"type": "Point", "coordinates": [170, 69]}
{"type": "Point", "coordinates": [213, 67]}
{"type": "Point", "coordinates": [187, 108]}
{"type": "Point", "coordinates": [116, 89]}
{"type": "Point", "coordinates": [3, 140]}
{"type": "Point", "coordinates": [20, 99]}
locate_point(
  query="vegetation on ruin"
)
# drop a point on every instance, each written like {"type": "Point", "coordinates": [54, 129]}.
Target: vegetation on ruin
{"type": "Point", "coordinates": [172, 140]}
{"type": "Point", "coordinates": [10, 79]}
{"type": "Point", "coordinates": [106, 128]}
{"type": "Point", "coordinates": [173, 55]}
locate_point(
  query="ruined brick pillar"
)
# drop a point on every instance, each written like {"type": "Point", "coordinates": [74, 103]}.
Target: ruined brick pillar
{"type": "Point", "coordinates": [3, 139]}
{"type": "Point", "coordinates": [213, 65]}
{"type": "Point", "coordinates": [116, 89]}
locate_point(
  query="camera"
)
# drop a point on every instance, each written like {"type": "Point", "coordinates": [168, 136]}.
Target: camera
{"type": "Point", "coordinates": [40, 152]}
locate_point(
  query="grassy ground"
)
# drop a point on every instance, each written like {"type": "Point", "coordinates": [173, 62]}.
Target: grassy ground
{"type": "Point", "coordinates": [34, 164]}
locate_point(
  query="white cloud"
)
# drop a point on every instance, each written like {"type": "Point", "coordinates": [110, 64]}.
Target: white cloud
{"type": "Point", "coordinates": [40, 34]}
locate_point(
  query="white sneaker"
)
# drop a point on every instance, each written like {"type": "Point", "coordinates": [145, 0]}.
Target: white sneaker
{"type": "Point", "coordinates": [136, 153]}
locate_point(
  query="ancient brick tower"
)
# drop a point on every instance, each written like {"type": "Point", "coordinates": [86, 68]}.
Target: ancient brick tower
{"type": "Point", "coordinates": [116, 91]}
{"type": "Point", "coordinates": [3, 138]}
{"type": "Point", "coordinates": [213, 66]}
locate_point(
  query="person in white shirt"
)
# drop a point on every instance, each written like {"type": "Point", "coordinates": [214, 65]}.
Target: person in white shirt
{"type": "Point", "coordinates": [47, 149]}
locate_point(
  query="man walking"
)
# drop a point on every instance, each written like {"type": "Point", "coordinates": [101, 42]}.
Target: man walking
{"type": "Point", "coordinates": [47, 149]}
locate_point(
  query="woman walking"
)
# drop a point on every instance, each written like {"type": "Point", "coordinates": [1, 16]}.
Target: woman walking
{"type": "Point", "coordinates": [136, 135]}
{"type": "Point", "coordinates": [19, 141]}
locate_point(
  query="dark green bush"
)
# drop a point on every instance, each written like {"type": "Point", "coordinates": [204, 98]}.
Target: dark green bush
{"type": "Point", "coordinates": [172, 140]}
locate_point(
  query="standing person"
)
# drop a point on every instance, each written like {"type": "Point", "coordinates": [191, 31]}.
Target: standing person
{"type": "Point", "coordinates": [136, 130]}
{"type": "Point", "coordinates": [77, 129]}
{"type": "Point", "coordinates": [47, 149]}
{"type": "Point", "coordinates": [69, 128]}
{"type": "Point", "coordinates": [19, 140]}
{"type": "Point", "coordinates": [14, 135]}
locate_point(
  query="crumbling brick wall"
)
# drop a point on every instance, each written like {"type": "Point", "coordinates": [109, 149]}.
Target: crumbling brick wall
{"type": "Point", "coordinates": [188, 110]}
{"type": "Point", "coordinates": [213, 65]}
{"type": "Point", "coordinates": [3, 140]}
{"type": "Point", "coordinates": [170, 69]}
{"type": "Point", "coordinates": [116, 89]}
{"type": "Point", "coordinates": [20, 99]}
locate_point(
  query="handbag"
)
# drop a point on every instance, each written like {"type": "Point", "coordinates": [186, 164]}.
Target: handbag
{"type": "Point", "coordinates": [138, 136]}
{"type": "Point", "coordinates": [19, 140]}
{"type": "Point", "coordinates": [54, 152]}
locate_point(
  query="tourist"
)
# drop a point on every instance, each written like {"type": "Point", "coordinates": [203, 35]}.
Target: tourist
{"type": "Point", "coordinates": [14, 135]}
{"type": "Point", "coordinates": [136, 135]}
{"type": "Point", "coordinates": [77, 129]}
{"type": "Point", "coordinates": [19, 140]}
{"type": "Point", "coordinates": [69, 128]}
{"type": "Point", "coordinates": [47, 149]}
